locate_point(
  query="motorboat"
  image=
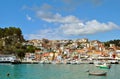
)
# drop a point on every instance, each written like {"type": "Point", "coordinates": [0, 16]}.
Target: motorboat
{"type": "Point", "coordinates": [102, 65]}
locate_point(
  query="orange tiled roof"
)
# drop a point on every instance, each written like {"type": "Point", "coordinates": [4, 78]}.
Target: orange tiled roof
{"type": "Point", "coordinates": [45, 54]}
{"type": "Point", "coordinates": [80, 51]}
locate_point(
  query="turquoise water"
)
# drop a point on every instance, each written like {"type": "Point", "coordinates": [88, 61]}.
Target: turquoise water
{"type": "Point", "coordinates": [55, 71]}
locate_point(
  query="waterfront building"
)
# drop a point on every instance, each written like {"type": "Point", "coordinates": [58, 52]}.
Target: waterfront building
{"type": "Point", "coordinates": [29, 57]}
{"type": "Point", "coordinates": [53, 50]}
{"type": "Point", "coordinates": [7, 58]}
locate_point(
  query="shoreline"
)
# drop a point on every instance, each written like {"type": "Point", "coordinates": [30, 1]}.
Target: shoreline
{"type": "Point", "coordinates": [54, 62]}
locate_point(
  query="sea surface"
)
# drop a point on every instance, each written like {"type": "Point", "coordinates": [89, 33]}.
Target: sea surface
{"type": "Point", "coordinates": [56, 71]}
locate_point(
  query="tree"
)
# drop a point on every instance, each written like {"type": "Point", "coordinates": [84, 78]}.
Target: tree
{"type": "Point", "coordinates": [116, 42]}
{"type": "Point", "coordinates": [20, 53]}
{"type": "Point", "coordinates": [107, 44]}
{"type": "Point", "coordinates": [11, 38]}
{"type": "Point", "coordinates": [1, 32]}
{"type": "Point", "coordinates": [30, 49]}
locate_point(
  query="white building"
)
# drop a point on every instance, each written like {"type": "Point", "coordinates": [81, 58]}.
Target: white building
{"type": "Point", "coordinates": [7, 58]}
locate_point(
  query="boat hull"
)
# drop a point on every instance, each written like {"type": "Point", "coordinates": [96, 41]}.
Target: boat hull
{"type": "Point", "coordinates": [5, 62]}
{"type": "Point", "coordinates": [98, 73]}
{"type": "Point", "coordinates": [105, 67]}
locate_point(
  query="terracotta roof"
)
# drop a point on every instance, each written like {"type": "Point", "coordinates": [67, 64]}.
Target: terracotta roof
{"type": "Point", "coordinates": [45, 54]}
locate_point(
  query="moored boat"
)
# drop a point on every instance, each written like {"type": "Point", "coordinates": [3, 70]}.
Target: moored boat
{"type": "Point", "coordinates": [98, 73]}
{"type": "Point", "coordinates": [29, 62]}
{"type": "Point", "coordinates": [106, 66]}
{"type": "Point", "coordinates": [16, 62]}
{"type": "Point", "coordinates": [114, 61]}
{"type": "Point", "coordinates": [103, 65]}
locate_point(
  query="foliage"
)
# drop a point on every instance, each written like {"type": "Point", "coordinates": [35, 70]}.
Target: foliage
{"type": "Point", "coordinates": [11, 39]}
{"type": "Point", "coordinates": [20, 53]}
{"type": "Point", "coordinates": [116, 42]}
{"type": "Point", "coordinates": [45, 41]}
{"type": "Point", "coordinates": [30, 49]}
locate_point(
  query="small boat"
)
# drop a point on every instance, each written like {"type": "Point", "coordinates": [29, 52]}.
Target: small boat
{"type": "Point", "coordinates": [98, 73]}
{"type": "Point", "coordinates": [16, 62]}
{"type": "Point", "coordinates": [106, 66]}
{"type": "Point", "coordinates": [103, 65]}
{"type": "Point", "coordinates": [114, 61]}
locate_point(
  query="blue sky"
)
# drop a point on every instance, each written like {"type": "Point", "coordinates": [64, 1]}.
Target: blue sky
{"type": "Point", "coordinates": [63, 19]}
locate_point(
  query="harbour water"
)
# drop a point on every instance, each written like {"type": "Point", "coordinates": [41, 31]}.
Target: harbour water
{"type": "Point", "coordinates": [55, 71]}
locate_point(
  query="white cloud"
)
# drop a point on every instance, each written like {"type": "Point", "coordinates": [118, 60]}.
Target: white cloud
{"type": "Point", "coordinates": [49, 17]}
{"type": "Point", "coordinates": [67, 25]}
{"type": "Point", "coordinates": [70, 25]}
{"type": "Point", "coordinates": [48, 34]}
{"type": "Point", "coordinates": [28, 17]}
{"type": "Point", "coordinates": [90, 27]}
{"type": "Point", "coordinates": [74, 29]}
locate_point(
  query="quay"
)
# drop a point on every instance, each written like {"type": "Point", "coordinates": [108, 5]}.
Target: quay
{"type": "Point", "coordinates": [55, 62]}
{"type": "Point", "coordinates": [12, 59]}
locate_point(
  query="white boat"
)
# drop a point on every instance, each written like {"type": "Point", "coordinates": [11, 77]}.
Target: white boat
{"type": "Point", "coordinates": [74, 62]}
{"type": "Point", "coordinates": [114, 61]}
{"type": "Point", "coordinates": [96, 73]}
{"type": "Point", "coordinates": [102, 65]}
